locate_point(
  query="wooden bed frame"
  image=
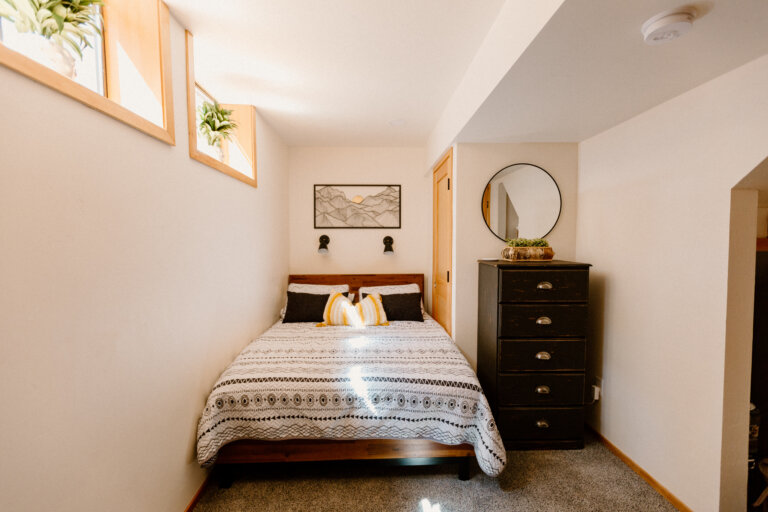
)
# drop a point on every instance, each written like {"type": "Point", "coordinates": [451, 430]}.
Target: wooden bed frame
{"type": "Point", "coordinates": [397, 451]}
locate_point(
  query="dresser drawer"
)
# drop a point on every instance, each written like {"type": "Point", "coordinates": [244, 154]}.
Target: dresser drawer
{"type": "Point", "coordinates": [541, 355]}
{"type": "Point", "coordinates": [543, 285]}
{"type": "Point", "coordinates": [542, 320]}
{"type": "Point", "coordinates": [534, 423]}
{"type": "Point", "coordinates": [541, 389]}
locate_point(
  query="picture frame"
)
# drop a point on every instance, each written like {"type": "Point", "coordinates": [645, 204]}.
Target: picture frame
{"type": "Point", "coordinates": [350, 206]}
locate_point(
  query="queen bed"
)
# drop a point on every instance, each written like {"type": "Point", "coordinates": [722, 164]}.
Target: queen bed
{"type": "Point", "coordinates": [399, 392]}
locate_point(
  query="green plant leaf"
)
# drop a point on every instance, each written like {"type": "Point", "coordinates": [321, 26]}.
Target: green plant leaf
{"type": "Point", "coordinates": [525, 242]}
{"type": "Point", "coordinates": [214, 122]}
{"type": "Point", "coordinates": [67, 22]}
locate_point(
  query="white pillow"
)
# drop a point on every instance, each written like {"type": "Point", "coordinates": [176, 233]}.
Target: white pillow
{"type": "Point", "coordinates": [392, 290]}
{"type": "Point", "coordinates": [316, 289]}
{"type": "Point", "coordinates": [340, 311]}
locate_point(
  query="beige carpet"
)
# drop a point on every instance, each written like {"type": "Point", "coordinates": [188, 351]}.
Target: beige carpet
{"type": "Point", "coordinates": [592, 479]}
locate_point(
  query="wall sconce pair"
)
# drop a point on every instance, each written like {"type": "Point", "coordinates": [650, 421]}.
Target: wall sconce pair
{"type": "Point", "coordinates": [325, 240]}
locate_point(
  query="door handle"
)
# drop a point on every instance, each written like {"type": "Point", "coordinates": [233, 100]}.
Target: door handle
{"type": "Point", "coordinates": [543, 320]}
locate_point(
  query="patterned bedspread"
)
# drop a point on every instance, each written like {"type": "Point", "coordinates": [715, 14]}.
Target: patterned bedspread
{"type": "Point", "coordinates": [403, 381]}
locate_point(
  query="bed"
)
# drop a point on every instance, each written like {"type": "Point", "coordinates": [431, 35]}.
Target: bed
{"type": "Point", "coordinates": [401, 392]}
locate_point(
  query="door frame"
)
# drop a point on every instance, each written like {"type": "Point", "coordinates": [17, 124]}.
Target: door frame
{"type": "Point", "coordinates": [447, 155]}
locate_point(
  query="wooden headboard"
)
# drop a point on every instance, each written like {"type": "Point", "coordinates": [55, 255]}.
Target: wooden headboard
{"type": "Point", "coordinates": [355, 281]}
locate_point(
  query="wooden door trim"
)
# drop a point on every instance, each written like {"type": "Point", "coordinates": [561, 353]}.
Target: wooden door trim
{"type": "Point", "coordinates": [449, 172]}
{"type": "Point", "coordinates": [448, 154]}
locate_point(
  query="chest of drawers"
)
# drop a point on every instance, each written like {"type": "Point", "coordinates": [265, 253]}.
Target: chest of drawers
{"type": "Point", "coordinates": [531, 350]}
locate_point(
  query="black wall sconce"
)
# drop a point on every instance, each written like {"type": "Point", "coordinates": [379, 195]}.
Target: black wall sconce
{"type": "Point", "coordinates": [388, 250]}
{"type": "Point", "coordinates": [324, 241]}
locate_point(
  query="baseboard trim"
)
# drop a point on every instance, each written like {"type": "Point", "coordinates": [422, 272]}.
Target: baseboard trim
{"type": "Point", "coordinates": [199, 493]}
{"type": "Point", "coordinates": [674, 500]}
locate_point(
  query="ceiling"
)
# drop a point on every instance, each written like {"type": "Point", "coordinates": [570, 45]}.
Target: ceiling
{"type": "Point", "coordinates": [589, 69]}
{"type": "Point", "coordinates": [340, 72]}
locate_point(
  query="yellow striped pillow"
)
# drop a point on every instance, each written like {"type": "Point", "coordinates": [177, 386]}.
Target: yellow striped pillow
{"type": "Point", "coordinates": [340, 311]}
{"type": "Point", "coordinates": [371, 310]}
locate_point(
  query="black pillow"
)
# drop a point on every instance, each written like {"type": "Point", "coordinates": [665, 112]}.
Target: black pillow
{"type": "Point", "coordinates": [403, 306]}
{"type": "Point", "coordinates": [305, 307]}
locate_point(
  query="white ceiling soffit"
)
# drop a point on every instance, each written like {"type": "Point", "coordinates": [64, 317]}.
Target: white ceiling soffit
{"type": "Point", "coordinates": [589, 69]}
{"type": "Point", "coordinates": [516, 26]}
{"type": "Point", "coordinates": [341, 72]}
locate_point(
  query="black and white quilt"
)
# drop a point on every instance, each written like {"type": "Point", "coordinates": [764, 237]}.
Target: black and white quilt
{"type": "Point", "coordinates": [406, 380]}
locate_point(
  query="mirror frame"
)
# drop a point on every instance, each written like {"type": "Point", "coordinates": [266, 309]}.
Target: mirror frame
{"type": "Point", "coordinates": [559, 194]}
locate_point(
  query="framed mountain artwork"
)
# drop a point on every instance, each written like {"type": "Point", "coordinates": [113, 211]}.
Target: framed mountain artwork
{"type": "Point", "coordinates": [357, 206]}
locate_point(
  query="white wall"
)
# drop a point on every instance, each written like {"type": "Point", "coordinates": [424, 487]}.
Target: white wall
{"type": "Point", "coordinates": [474, 165]}
{"type": "Point", "coordinates": [360, 251]}
{"type": "Point", "coordinates": [654, 199]}
{"type": "Point", "coordinates": [130, 276]}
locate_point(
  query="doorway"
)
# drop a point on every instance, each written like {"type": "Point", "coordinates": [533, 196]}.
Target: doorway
{"type": "Point", "coordinates": [442, 241]}
{"type": "Point", "coordinates": [750, 193]}
{"type": "Point", "coordinates": [758, 434]}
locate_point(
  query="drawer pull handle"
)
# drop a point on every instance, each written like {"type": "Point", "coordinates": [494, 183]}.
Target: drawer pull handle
{"type": "Point", "coordinates": [542, 390]}
{"type": "Point", "coordinates": [542, 424]}
{"type": "Point", "coordinates": [543, 320]}
{"type": "Point", "coordinates": [544, 285]}
{"type": "Point", "coordinates": [543, 356]}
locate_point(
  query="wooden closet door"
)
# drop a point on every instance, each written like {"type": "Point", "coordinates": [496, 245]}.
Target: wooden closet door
{"type": "Point", "coordinates": [442, 233]}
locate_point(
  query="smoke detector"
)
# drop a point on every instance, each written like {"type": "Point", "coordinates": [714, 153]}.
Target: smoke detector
{"type": "Point", "coordinates": [668, 25]}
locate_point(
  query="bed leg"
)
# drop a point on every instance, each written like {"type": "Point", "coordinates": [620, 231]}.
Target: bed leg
{"type": "Point", "coordinates": [225, 475]}
{"type": "Point", "coordinates": [464, 469]}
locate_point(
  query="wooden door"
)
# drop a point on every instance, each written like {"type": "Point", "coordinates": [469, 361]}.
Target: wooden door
{"type": "Point", "coordinates": [442, 240]}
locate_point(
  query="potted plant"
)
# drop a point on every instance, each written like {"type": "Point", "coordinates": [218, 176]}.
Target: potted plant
{"type": "Point", "coordinates": [65, 24]}
{"type": "Point", "coordinates": [215, 124]}
{"type": "Point", "coordinates": [527, 249]}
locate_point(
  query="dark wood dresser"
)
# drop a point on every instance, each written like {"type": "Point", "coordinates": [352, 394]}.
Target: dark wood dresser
{"type": "Point", "coordinates": [531, 350]}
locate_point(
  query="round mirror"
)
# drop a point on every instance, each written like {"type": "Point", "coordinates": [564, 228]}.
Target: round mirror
{"type": "Point", "coordinates": [521, 201]}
